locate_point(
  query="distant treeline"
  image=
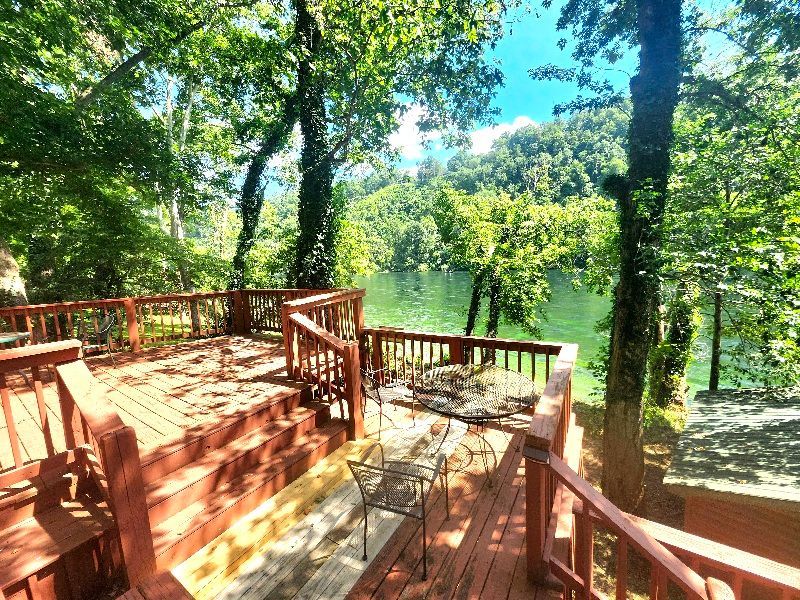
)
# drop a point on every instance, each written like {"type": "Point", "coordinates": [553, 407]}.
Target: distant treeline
{"type": "Point", "coordinates": [392, 212]}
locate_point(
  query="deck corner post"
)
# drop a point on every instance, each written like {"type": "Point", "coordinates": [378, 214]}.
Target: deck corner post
{"type": "Point", "coordinates": [352, 376]}
{"type": "Point", "coordinates": [133, 325]}
{"type": "Point", "coordinates": [238, 312]}
{"type": "Point", "coordinates": [536, 518]}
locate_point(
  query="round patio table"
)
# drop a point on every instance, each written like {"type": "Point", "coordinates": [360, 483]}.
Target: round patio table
{"type": "Point", "coordinates": [9, 337]}
{"type": "Point", "coordinates": [475, 394]}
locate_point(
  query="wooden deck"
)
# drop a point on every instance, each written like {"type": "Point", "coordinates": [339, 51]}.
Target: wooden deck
{"type": "Point", "coordinates": [166, 392]}
{"type": "Point", "coordinates": [306, 542]}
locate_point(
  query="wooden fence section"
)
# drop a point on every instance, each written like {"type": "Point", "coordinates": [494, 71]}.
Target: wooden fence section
{"type": "Point", "coordinates": [321, 335]}
{"type": "Point", "coordinates": [403, 355]}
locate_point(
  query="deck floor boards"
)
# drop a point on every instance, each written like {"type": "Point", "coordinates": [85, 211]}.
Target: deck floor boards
{"type": "Point", "coordinates": [163, 392]}
{"type": "Point", "coordinates": [478, 553]}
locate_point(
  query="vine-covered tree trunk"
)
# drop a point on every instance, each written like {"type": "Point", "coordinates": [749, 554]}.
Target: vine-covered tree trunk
{"type": "Point", "coordinates": [716, 343]}
{"type": "Point", "coordinates": [654, 94]}
{"type": "Point", "coordinates": [493, 318]}
{"type": "Point", "coordinates": [12, 287]}
{"type": "Point", "coordinates": [668, 383]}
{"type": "Point", "coordinates": [251, 200]}
{"type": "Point", "coordinates": [315, 252]}
{"type": "Point", "coordinates": [474, 303]}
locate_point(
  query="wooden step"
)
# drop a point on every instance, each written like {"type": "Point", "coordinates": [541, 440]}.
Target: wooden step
{"type": "Point", "coordinates": [189, 530]}
{"type": "Point", "coordinates": [36, 543]}
{"type": "Point", "coordinates": [213, 435]}
{"type": "Point", "coordinates": [24, 499]}
{"type": "Point", "coordinates": [179, 489]}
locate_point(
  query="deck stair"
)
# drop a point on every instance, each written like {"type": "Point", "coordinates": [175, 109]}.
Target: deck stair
{"type": "Point", "coordinates": [198, 486]}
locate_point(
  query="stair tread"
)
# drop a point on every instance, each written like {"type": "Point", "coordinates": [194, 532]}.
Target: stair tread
{"type": "Point", "coordinates": [215, 460]}
{"type": "Point", "coordinates": [37, 542]}
{"type": "Point", "coordinates": [176, 527]}
{"type": "Point", "coordinates": [220, 423]}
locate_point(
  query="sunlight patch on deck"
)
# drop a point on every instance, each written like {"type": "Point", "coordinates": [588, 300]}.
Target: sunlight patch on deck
{"type": "Point", "coordinates": [292, 537]}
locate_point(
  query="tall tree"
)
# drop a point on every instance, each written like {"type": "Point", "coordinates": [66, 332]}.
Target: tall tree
{"type": "Point", "coordinates": [602, 32]}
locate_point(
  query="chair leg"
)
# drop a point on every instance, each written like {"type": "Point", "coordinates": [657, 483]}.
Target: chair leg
{"type": "Point", "coordinates": [446, 490]}
{"type": "Point", "coordinates": [380, 418]}
{"type": "Point", "coordinates": [424, 546]}
{"type": "Point", "coordinates": [364, 558]}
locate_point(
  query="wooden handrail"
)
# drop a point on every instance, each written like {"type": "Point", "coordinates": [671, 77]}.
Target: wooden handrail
{"type": "Point", "coordinates": [76, 381]}
{"type": "Point", "coordinates": [306, 335]}
{"type": "Point", "coordinates": [613, 518]}
{"type": "Point", "coordinates": [15, 359]}
{"type": "Point", "coordinates": [324, 299]}
{"type": "Point", "coordinates": [549, 414]}
{"type": "Point", "coordinates": [537, 346]}
{"type": "Point", "coordinates": [320, 332]}
{"type": "Point", "coordinates": [744, 566]}
{"type": "Point", "coordinates": [90, 418]}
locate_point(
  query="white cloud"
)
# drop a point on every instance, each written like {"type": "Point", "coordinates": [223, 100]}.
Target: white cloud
{"type": "Point", "coordinates": [482, 139]}
{"type": "Point", "coordinates": [408, 139]}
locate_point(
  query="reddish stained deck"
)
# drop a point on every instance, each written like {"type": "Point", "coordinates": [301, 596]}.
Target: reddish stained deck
{"type": "Point", "coordinates": [479, 552]}
{"type": "Point", "coordinates": [166, 392]}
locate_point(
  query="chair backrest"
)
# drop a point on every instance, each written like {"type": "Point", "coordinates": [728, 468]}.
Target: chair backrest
{"type": "Point", "coordinates": [370, 385]}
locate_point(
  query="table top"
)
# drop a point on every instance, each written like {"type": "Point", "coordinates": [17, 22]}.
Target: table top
{"type": "Point", "coordinates": [9, 337]}
{"type": "Point", "coordinates": [475, 392]}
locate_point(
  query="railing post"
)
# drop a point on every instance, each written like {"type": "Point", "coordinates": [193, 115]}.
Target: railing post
{"type": "Point", "coordinates": [133, 325]}
{"type": "Point", "coordinates": [238, 312]}
{"type": "Point", "coordinates": [119, 456]}
{"type": "Point", "coordinates": [377, 357]}
{"type": "Point", "coordinates": [358, 317]}
{"type": "Point", "coordinates": [288, 340]}
{"type": "Point", "coordinates": [456, 351]}
{"type": "Point", "coordinates": [70, 416]}
{"type": "Point", "coordinates": [352, 377]}
{"type": "Point", "coordinates": [537, 516]}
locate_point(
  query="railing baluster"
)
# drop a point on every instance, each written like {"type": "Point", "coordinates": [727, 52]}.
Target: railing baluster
{"type": "Point", "coordinates": [622, 568]}
{"type": "Point", "coordinates": [11, 426]}
{"type": "Point", "coordinates": [42, 407]}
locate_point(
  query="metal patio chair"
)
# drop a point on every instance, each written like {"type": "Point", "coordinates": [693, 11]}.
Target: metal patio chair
{"type": "Point", "coordinates": [372, 387]}
{"type": "Point", "coordinates": [401, 487]}
{"type": "Point", "coordinates": [101, 337]}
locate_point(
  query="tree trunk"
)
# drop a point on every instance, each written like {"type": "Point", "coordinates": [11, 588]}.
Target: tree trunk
{"type": "Point", "coordinates": [493, 319]}
{"type": "Point", "coordinates": [654, 94]}
{"type": "Point", "coordinates": [668, 385]}
{"type": "Point", "coordinates": [315, 253]}
{"type": "Point", "coordinates": [12, 287]}
{"type": "Point", "coordinates": [251, 200]}
{"type": "Point", "coordinates": [474, 303]}
{"type": "Point", "coordinates": [716, 343]}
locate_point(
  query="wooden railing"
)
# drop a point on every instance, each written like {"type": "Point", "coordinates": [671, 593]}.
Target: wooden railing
{"type": "Point", "coordinates": [145, 320]}
{"type": "Point", "coordinates": [320, 335]}
{"type": "Point", "coordinates": [87, 418]}
{"type": "Point", "coordinates": [564, 512]}
{"type": "Point", "coordinates": [399, 354]}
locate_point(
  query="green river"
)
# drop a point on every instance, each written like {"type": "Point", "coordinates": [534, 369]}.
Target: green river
{"type": "Point", "coordinates": [437, 302]}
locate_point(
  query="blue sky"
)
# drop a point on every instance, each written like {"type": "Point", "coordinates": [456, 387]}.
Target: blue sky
{"type": "Point", "coordinates": [531, 40]}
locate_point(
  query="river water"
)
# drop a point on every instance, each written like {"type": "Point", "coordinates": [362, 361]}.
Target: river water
{"type": "Point", "coordinates": [438, 302]}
